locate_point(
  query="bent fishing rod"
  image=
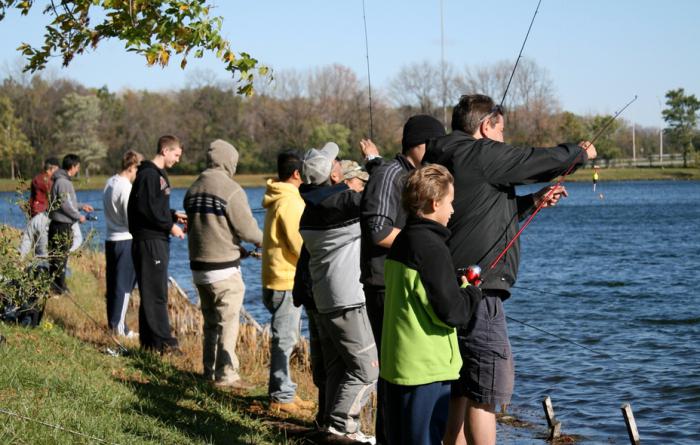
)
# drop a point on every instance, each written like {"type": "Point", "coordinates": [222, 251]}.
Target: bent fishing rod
{"type": "Point", "coordinates": [561, 180]}
{"type": "Point", "coordinates": [520, 54]}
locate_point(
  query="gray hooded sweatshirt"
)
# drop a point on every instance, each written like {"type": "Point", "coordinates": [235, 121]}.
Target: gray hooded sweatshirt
{"type": "Point", "coordinates": [63, 203]}
{"type": "Point", "coordinates": [219, 216]}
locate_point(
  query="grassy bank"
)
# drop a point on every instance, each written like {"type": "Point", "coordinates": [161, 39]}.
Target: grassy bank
{"type": "Point", "coordinates": [258, 180]}
{"type": "Point", "coordinates": [60, 374]}
{"type": "Point", "coordinates": [639, 174]}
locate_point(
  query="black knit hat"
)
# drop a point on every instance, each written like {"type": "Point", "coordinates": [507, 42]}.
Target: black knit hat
{"type": "Point", "coordinates": [419, 129]}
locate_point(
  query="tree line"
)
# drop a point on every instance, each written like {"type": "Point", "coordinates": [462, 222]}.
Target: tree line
{"type": "Point", "coordinates": [41, 116]}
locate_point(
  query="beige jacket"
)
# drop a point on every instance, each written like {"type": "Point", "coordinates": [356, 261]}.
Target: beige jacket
{"type": "Point", "coordinates": [218, 214]}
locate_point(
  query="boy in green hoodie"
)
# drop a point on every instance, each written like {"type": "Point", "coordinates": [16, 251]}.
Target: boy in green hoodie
{"type": "Point", "coordinates": [423, 306]}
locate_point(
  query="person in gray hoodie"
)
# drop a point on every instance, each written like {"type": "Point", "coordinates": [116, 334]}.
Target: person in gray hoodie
{"type": "Point", "coordinates": [330, 228]}
{"type": "Point", "coordinates": [64, 211]}
{"type": "Point", "coordinates": [219, 218]}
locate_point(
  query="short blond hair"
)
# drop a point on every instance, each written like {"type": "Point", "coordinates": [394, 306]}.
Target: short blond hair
{"type": "Point", "coordinates": [425, 185]}
{"type": "Point", "coordinates": [130, 159]}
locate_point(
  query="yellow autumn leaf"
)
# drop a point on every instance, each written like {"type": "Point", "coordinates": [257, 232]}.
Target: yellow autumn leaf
{"type": "Point", "coordinates": [164, 57]}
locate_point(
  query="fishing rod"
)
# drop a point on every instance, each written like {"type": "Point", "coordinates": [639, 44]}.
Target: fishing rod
{"type": "Point", "coordinates": [520, 54]}
{"type": "Point", "coordinates": [561, 180]}
{"type": "Point", "coordinates": [369, 79]}
{"type": "Point", "coordinates": [122, 348]}
{"type": "Point", "coordinates": [605, 354]}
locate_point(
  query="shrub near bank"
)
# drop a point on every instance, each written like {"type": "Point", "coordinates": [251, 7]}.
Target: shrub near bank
{"type": "Point", "coordinates": [59, 373]}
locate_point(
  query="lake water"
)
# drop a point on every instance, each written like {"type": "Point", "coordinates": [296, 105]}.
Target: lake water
{"type": "Point", "coordinates": [621, 276]}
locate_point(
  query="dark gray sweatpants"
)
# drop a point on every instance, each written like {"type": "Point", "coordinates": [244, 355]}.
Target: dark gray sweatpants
{"type": "Point", "coordinates": [351, 364]}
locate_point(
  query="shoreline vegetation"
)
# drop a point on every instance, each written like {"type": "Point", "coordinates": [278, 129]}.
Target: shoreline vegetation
{"type": "Point", "coordinates": [66, 373]}
{"type": "Point", "coordinates": [97, 182]}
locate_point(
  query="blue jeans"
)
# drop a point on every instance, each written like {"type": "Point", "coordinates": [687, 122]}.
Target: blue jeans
{"type": "Point", "coordinates": [286, 324]}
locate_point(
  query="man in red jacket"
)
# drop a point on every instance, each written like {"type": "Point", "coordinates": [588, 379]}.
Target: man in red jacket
{"type": "Point", "coordinates": [36, 232]}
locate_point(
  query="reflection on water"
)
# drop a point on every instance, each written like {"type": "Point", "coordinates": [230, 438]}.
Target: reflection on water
{"type": "Point", "coordinates": [618, 275]}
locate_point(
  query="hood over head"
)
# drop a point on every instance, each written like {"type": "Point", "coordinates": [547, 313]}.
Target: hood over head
{"type": "Point", "coordinates": [224, 156]}
{"type": "Point", "coordinates": [277, 190]}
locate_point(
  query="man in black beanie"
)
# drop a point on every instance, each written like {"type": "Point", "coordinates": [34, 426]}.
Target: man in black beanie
{"type": "Point", "coordinates": [382, 219]}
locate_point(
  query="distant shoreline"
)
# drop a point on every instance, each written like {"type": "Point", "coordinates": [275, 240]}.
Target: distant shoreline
{"type": "Point", "coordinates": [258, 179]}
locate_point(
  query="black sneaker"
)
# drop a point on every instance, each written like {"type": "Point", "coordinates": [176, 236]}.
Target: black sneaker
{"type": "Point", "coordinates": [171, 350]}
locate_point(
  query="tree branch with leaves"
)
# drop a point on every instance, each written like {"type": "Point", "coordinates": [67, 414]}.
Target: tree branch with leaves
{"type": "Point", "coordinates": [154, 29]}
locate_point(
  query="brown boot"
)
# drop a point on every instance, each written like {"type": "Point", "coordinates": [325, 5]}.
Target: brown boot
{"type": "Point", "coordinates": [306, 404]}
{"type": "Point", "coordinates": [290, 408]}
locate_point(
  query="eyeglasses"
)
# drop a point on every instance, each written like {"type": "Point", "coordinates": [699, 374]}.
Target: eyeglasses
{"type": "Point", "coordinates": [495, 111]}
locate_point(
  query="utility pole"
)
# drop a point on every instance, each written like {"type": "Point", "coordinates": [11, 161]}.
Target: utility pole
{"type": "Point", "coordinates": [634, 147]}
{"type": "Point", "coordinates": [661, 147]}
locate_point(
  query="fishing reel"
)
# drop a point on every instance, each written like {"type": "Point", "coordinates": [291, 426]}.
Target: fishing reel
{"type": "Point", "coordinates": [90, 217]}
{"type": "Point", "coordinates": [472, 273]}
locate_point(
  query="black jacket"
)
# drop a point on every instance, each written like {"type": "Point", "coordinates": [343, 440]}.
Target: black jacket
{"type": "Point", "coordinates": [150, 216]}
{"type": "Point", "coordinates": [329, 207]}
{"type": "Point", "coordinates": [381, 211]}
{"type": "Point", "coordinates": [421, 247]}
{"type": "Point", "coordinates": [487, 209]}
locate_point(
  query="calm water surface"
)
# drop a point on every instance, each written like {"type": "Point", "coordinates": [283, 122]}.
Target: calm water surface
{"type": "Point", "coordinates": [621, 276]}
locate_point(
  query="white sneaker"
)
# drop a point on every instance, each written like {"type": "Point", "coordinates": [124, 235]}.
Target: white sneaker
{"type": "Point", "coordinates": [357, 436]}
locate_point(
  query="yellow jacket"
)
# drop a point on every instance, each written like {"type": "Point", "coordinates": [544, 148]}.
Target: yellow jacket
{"type": "Point", "coordinates": [281, 238]}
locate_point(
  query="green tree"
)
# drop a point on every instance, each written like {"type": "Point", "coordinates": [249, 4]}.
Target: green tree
{"type": "Point", "coordinates": [681, 115]}
{"type": "Point", "coordinates": [154, 29]}
{"type": "Point", "coordinates": [605, 144]}
{"type": "Point", "coordinates": [79, 121]}
{"type": "Point", "coordinates": [572, 127]}
{"type": "Point", "coordinates": [337, 133]}
{"type": "Point", "coordinates": [13, 142]}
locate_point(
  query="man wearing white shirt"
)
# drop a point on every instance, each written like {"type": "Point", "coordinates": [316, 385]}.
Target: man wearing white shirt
{"type": "Point", "coordinates": [121, 277]}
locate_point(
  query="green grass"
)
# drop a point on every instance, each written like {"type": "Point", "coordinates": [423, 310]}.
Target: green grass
{"type": "Point", "coordinates": [48, 375]}
{"type": "Point", "coordinates": [638, 174]}
{"type": "Point", "coordinates": [177, 181]}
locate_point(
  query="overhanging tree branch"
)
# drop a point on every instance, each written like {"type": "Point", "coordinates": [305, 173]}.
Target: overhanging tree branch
{"type": "Point", "coordinates": [154, 29]}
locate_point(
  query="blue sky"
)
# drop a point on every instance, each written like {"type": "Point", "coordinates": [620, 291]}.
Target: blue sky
{"type": "Point", "coordinates": [599, 53]}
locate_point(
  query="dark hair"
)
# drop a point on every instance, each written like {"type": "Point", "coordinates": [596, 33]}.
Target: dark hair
{"type": "Point", "coordinates": [51, 162]}
{"type": "Point", "coordinates": [70, 161]}
{"type": "Point", "coordinates": [169, 142]}
{"type": "Point", "coordinates": [130, 159]}
{"type": "Point", "coordinates": [471, 111]}
{"type": "Point", "coordinates": [425, 185]}
{"type": "Point", "coordinates": [287, 163]}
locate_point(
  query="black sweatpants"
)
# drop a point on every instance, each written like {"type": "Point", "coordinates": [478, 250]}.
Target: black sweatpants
{"type": "Point", "coordinates": [60, 240]}
{"type": "Point", "coordinates": [151, 265]}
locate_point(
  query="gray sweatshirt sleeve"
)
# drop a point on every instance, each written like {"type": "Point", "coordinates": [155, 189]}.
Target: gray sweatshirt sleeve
{"type": "Point", "coordinates": [65, 193]}
{"type": "Point", "coordinates": [241, 218]}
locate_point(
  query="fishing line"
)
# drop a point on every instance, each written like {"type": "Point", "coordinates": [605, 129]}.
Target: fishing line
{"type": "Point", "coordinates": [536, 290]}
{"type": "Point", "coordinates": [604, 354]}
{"type": "Point", "coordinates": [57, 427]}
{"type": "Point", "coordinates": [561, 180]}
{"type": "Point", "coordinates": [520, 54]}
{"type": "Point", "coordinates": [369, 79]}
{"type": "Point", "coordinates": [122, 349]}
